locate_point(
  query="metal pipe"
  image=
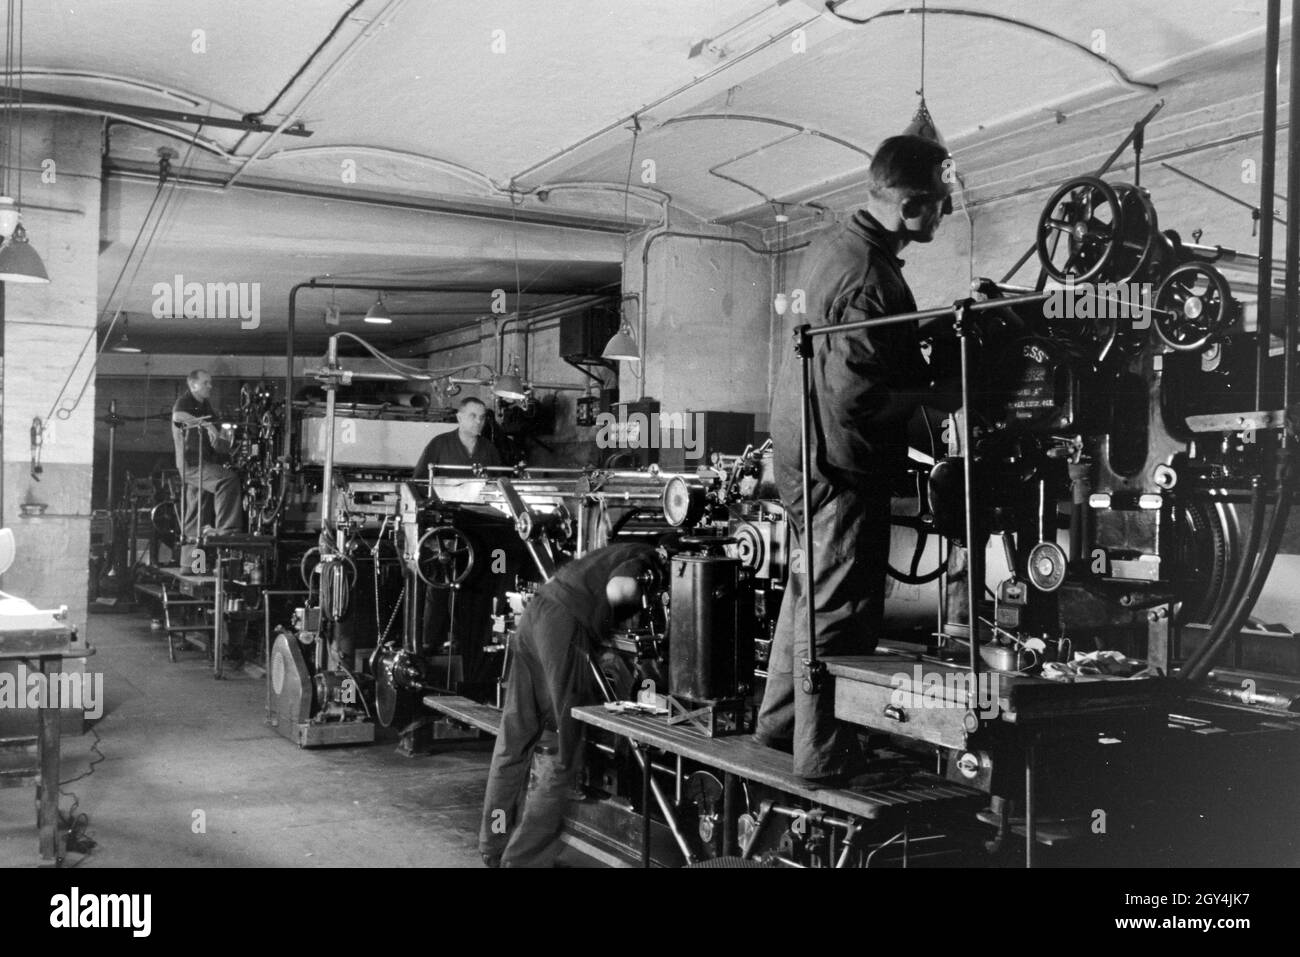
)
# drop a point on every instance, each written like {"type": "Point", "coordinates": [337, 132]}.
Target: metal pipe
{"type": "Point", "coordinates": [642, 306]}
{"type": "Point", "coordinates": [672, 94]}
{"type": "Point", "coordinates": [812, 676]}
{"type": "Point", "coordinates": [974, 554]}
{"type": "Point", "coordinates": [941, 312]}
{"type": "Point", "coordinates": [1267, 164]}
{"type": "Point", "coordinates": [1249, 550]}
{"type": "Point", "coordinates": [1259, 574]}
{"type": "Point", "coordinates": [327, 480]}
{"type": "Point", "coordinates": [1291, 318]}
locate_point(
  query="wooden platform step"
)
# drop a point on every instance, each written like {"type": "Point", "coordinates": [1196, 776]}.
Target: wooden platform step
{"type": "Point", "coordinates": [889, 796]}
{"type": "Point", "coordinates": [481, 716]}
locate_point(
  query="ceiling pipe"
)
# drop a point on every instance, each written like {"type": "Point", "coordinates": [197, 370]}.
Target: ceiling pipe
{"type": "Point", "coordinates": [642, 321]}
{"type": "Point", "coordinates": [1267, 177]}
{"type": "Point", "coordinates": [289, 344]}
{"type": "Point", "coordinates": [671, 95]}
{"type": "Point", "coordinates": [311, 58]}
{"type": "Point", "coordinates": [487, 211]}
{"type": "Point", "coordinates": [344, 55]}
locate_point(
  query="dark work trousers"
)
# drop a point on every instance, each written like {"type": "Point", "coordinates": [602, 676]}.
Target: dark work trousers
{"type": "Point", "coordinates": [549, 676]}
{"type": "Point", "coordinates": [851, 550]}
{"type": "Point", "coordinates": [224, 485]}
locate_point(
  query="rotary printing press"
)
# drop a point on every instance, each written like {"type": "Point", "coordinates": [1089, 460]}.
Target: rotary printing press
{"type": "Point", "coordinates": [1130, 488]}
{"type": "Point", "coordinates": [400, 596]}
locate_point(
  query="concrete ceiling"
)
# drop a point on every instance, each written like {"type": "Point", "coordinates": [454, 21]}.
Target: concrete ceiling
{"type": "Point", "coordinates": [427, 118]}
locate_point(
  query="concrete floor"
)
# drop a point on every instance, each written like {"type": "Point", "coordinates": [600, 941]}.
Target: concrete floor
{"type": "Point", "coordinates": [176, 741]}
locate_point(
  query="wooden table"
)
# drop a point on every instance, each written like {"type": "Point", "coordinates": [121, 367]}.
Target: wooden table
{"type": "Point", "coordinates": [47, 641]}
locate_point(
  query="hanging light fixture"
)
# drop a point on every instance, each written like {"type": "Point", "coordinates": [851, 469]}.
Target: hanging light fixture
{"type": "Point", "coordinates": [509, 385]}
{"type": "Point", "coordinates": [124, 344]}
{"type": "Point", "coordinates": [781, 301]}
{"type": "Point", "coordinates": [377, 315]}
{"type": "Point", "coordinates": [922, 122]}
{"type": "Point", "coordinates": [19, 262]}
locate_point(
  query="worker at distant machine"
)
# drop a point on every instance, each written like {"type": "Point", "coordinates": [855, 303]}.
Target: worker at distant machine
{"type": "Point", "coordinates": [568, 621]}
{"type": "Point", "coordinates": [201, 458]}
{"type": "Point", "coordinates": [866, 384]}
{"type": "Point", "coordinates": [465, 446]}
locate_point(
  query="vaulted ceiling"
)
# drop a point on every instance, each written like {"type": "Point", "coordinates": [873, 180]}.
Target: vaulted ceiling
{"type": "Point", "coordinates": [452, 141]}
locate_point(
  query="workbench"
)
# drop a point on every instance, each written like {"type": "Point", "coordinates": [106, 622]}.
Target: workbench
{"type": "Point", "coordinates": [932, 701]}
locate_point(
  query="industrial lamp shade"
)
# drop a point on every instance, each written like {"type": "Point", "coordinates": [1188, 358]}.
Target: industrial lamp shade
{"type": "Point", "coordinates": [19, 262]}
{"type": "Point", "coordinates": [622, 347]}
{"type": "Point", "coordinates": [124, 343]}
{"type": "Point", "coordinates": [377, 315]}
{"type": "Point", "coordinates": [7, 549]}
{"type": "Point", "coordinates": [922, 125]}
{"type": "Point", "coordinates": [8, 216]}
{"type": "Point", "coordinates": [509, 386]}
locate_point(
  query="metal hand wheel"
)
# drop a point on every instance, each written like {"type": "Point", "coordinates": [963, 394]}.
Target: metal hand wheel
{"type": "Point", "coordinates": [445, 557]}
{"type": "Point", "coordinates": [1085, 212]}
{"type": "Point", "coordinates": [1193, 305]}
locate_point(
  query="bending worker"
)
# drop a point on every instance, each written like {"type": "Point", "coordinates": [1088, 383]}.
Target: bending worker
{"type": "Point", "coordinates": [195, 435]}
{"type": "Point", "coordinates": [465, 446]}
{"type": "Point", "coordinates": [866, 385]}
{"type": "Point", "coordinates": [568, 620]}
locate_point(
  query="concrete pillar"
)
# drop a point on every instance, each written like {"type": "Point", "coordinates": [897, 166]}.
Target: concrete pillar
{"type": "Point", "coordinates": [45, 329]}
{"type": "Point", "coordinates": [708, 325]}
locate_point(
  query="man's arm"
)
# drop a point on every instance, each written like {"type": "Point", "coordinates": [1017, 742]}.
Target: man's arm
{"type": "Point", "coordinates": [860, 391]}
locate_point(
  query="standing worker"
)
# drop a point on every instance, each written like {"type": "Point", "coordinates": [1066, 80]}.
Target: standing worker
{"type": "Point", "coordinates": [465, 446]}
{"type": "Point", "coordinates": [865, 386]}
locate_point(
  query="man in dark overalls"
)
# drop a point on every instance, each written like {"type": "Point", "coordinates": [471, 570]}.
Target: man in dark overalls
{"type": "Point", "coordinates": [865, 386]}
{"type": "Point", "coordinates": [568, 620]}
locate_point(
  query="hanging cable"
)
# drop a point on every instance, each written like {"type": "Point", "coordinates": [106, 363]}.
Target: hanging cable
{"type": "Point", "coordinates": [60, 407]}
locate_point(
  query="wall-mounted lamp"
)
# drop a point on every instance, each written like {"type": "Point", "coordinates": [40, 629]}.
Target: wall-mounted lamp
{"type": "Point", "coordinates": [622, 346]}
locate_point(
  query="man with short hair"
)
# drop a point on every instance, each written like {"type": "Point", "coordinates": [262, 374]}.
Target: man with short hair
{"type": "Point", "coordinates": [201, 463]}
{"type": "Point", "coordinates": [865, 385]}
{"type": "Point", "coordinates": [465, 446]}
{"type": "Point", "coordinates": [566, 622]}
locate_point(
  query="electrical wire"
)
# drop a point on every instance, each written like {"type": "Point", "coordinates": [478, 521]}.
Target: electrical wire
{"type": "Point", "coordinates": [73, 824]}
{"type": "Point", "coordinates": [833, 5]}
{"type": "Point", "coordinates": [62, 411]}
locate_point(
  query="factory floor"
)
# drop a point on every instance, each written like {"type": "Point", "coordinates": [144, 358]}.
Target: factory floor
{"type": "Point", "coordinates": [176, 742]}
